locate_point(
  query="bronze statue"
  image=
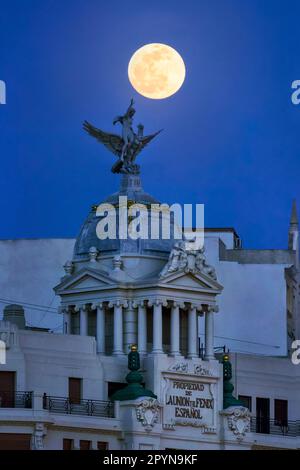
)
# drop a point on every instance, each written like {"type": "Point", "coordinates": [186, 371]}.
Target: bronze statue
{"type": "Point", "coordinates": [127, 147]}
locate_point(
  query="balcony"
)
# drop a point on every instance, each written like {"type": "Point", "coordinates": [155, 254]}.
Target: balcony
{"type": "Point", "coordinates": [10, 399]}
{"type": "Point", "coordinates": [275, 427]}
{"type": "Point", "coordinates": [63, 405]}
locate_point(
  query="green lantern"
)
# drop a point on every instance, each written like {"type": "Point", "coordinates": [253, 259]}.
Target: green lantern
{"type": "Point", "coordinates": [134, 378]}
{"type": "Point", "coordinates": [228, 398]}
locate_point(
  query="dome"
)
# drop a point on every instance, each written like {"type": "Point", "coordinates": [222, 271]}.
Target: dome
{"type": "Point", "coordinates": [131, 188]}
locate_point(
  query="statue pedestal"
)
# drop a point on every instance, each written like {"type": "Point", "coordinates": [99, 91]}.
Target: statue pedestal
{"type": "Point", "coordinates": [130, 183]}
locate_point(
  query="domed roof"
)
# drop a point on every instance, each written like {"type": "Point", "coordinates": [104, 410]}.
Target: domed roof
{"type": "Point", "coordinates": [132, 189]}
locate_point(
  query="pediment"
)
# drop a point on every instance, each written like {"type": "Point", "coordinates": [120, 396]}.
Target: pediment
{"type": "Point", "coordinates": [191, 281]}
{"type": "Point", "coordinates": [84, 280]}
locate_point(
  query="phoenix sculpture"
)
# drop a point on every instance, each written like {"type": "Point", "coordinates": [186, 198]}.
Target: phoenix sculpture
{"type": "Point", "coordinates": [125, 147]}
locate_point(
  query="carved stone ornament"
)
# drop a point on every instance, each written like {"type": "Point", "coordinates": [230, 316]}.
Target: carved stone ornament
{"type": "Point", "coordinates": [200, 370]}
{"type": "Point", "coordinates": [181, 259]}
{"type": "Point", "coordinates": [179, 367]}
{"type": "Point", "coordinates": [238, 420]}
{"type": "Point", "coordinates": [37, 442]}
{"type": "Point", "coordinates": [69, 268]}
{"type": "Point", "coordinates": [147, 412]}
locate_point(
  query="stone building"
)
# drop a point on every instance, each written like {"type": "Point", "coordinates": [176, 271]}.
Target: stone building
{"type": "Point", "coordinates": [57, 384]}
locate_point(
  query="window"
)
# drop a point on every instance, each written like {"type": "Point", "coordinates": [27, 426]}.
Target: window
{"type": "Point", "coordinates": [68, 444]}
{"type": "Point", "coordinates": [263, 415]}
{"type": "Point", "coordinates": [7, 389]}
{"type": "Point", "coordinates": [75, 386]}
{"type": "Point", "coordinates": [247, 401]}
{"type": "Point", "coordinates": [85, 445]}
{"type": "Point", "coordinates": [281, 412]}
{"type": "Point", "coordinates": [102, 445]}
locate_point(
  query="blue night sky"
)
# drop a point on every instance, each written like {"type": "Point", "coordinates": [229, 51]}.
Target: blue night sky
{"type": "Point", "coordinates": [231, 134]}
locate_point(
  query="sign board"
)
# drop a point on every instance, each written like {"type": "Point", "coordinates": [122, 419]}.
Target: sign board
{"type": "Point", "coordinates": [189, 401]}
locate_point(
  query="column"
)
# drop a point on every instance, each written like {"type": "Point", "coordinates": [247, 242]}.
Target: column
{"type": "Point", "coordinates": [209, 333]}
{"type": "Point", "coordinates": [130, 326]}
{"type": "Point", "coordinates": [100, 329]}
{"type": "Point", "coordinates": [142, 328]}
{"type": "Point", "coordinates": [67, 322]}
{"type": "Point", "coordinates": [192, 332]}
{"type": "Point", "coordinates": [157, 327]}
{"type": "Point", "coordinates": [83, 321]}
{"type": "Point", "coordinates": [175, 330]}
{"type": "Point", "coordinates": [118, 329]}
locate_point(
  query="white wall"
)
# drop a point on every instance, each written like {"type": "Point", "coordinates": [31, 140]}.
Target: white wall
{"type": "Point", "coordinates": [29, 269]}
{"type": "Point", "coordinates": [252, 305]}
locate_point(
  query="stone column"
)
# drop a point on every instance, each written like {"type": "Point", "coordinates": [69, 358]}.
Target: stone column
{"type": "Point", "coordinates": [142, 328]}
{"type": "Point", "coordinates": [100, 328]}
{"type": "Point", "coordinates": [118, 328]}
{"type": "Point", "coordinates": [130, 326]}
{"type": "Point", "coordinates": [209, 332]}
{"type": "Point", "coordinates": [175, 330]}
{"type": "Point", "coordinates": [67, 321]}
{"type": "Point", "coordinates": [157, 327]}
{"type": "Point", "coordinates": [83, 320]}
{"type": "Point", "coordinates": [192, 332]}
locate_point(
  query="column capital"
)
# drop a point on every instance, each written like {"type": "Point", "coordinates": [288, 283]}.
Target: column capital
{"type": "Point", "coordinates": [193, 307]}
{"type": "Point", "coordinates": [130, 304]}
{"type": "Point", "coordinates": [200, 308]}
{"type": "Point", "coordinates": [139, 303]}
{"type": "Point", "coordinates": [64, 309]}
{"type": "Point", "coordinates": [101, 305]}
{"type": "Point", "coordinates": [178, 304]}
{"type": "Point", "coordinates": [157, 302]}
{"type": "Point", "coordinates": [118, 303]}
{"type": "Point", "coordinates": [79, 307]}
{"type": "Point", "coordinates": [212, 308]}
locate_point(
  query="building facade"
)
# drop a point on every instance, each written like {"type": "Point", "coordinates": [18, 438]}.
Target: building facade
{"type": "Point", "coordinates": [182, 308]}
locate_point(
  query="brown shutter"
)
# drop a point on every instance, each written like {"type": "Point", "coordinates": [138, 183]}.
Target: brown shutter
{"type": "Point", "coordinates": [7, 389]}
{"type": "Point", "coordinates": [102, 445]}
{"type": "Point", "coordinates": [68, 444]}
{"type": "Point", "coordinates": [15, 441]}
{"type": "Point", "coordinates": [85, 445]}
{"type": "Point", "coordinates": [74, 390]}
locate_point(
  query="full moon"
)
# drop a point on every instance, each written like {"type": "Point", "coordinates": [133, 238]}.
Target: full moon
{"type": "Point", "coordinates": [156, 71]}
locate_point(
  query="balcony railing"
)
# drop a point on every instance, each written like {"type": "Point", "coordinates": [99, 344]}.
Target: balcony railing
{"type": "Point", "coordinates": [275, 427]}
{"type": "Point", "coordinates": [9, 399]}
{"type": "Point", "coordinates": [98, 408]}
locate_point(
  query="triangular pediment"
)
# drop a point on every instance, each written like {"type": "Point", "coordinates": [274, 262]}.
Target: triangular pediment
{"type": "Point", "coordinates": [84, 280]}
{"type": "Point", "coordinates": [191, 281]}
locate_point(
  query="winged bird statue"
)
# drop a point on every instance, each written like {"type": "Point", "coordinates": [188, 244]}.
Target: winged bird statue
{"type": "Point", "coordinates": [125, 147]}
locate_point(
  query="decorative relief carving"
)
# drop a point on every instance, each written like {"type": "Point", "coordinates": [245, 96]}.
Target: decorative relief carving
{"type": "Point", "coordinates": [192, 369]}
{"type": "Point", "coordinates": [68, 267]}
{"type": "Point", "coordinates": [37, 442]}
{"type": "Point", "coordinates": [200, 370]}
{"type": "Point", "coordinates": [181, 259]}
{"type": "Point", "coordinates": [238, 420]}
{"type": "Point", "coordinates": [147, 413]}
{"type": "Point", "coordinates": [179, 367]}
